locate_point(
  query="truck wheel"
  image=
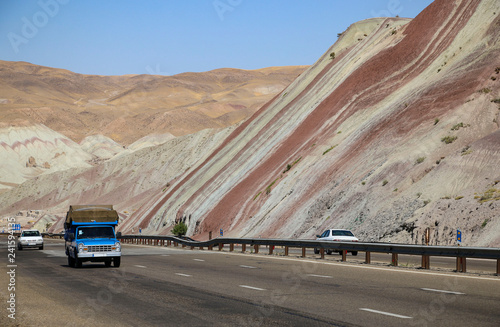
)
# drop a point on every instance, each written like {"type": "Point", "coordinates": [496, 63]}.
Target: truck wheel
{"type": "Point", "coordinates": [354, 253]}
{"type": "Point", "coordinates": [116, 262]}
{"type": "Point", "coordinates": [78, 263]}
{"type": "Point", "coordinates": [329, 251]}
{"type": "Point", "coordinates": [71, 261]}
{"type": "Point", "coordinates": [316, 251]}
{"type": "Point", "coordinates": [41, 247]}
{"type": "Point", "coordinates": [19, 247]}
{"type": "Point", "coordinates": [107, 263]}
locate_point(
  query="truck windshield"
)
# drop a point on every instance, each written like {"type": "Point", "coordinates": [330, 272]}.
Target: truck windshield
{"type": "Point", "coordinates": [95, 232]}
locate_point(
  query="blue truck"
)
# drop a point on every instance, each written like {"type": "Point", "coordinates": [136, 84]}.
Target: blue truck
{"type": "Point", "coordinates": [89, 234]}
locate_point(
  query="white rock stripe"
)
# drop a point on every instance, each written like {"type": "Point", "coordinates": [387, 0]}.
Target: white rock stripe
{"type": "Point", "coordinates": [386, 313]}
{"type": "Point", "coordinates": [139, 266]}
{"type": "Point", "coordinates": [183, 275]}
{"type": "Point", "coordinates": [442, 291]}
{"type": "Point", "coordinates": [249, 267]}
{"type": "Point", "coordinates": [200, 260]}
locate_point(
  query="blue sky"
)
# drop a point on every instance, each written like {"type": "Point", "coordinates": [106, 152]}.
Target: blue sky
{"type": "Point", "coordinates": [117, 37]}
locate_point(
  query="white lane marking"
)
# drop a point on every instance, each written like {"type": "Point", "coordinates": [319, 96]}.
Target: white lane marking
{"type": "Point", "coordinates": [358, 266]}
{"type": "Point", "coordinates": [252, 288]}
{"type": "Point", "coordinates": [386, 313]}
{"type": "Point", "coordinates": [183, 275]}
{"type": "Point", "coordinates": [200, 260]}
{"type": "Point", "coordinates": [320, 276]}
{"type": "Point", "coordinates": [165, 255]}
{"type": "Point", "coordinates": [249, 267]}
{"type": "Point", "coordinates": [442, 291]}
{"type": "Point", "coordinates": [139, 266]}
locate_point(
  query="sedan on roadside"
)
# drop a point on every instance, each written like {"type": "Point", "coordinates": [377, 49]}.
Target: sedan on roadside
{"type": "Point", "coordinates": [336, 235]}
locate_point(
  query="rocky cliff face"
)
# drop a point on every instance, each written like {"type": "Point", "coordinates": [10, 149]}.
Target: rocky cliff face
{"type": "Point", "coordinates": [394, 129]}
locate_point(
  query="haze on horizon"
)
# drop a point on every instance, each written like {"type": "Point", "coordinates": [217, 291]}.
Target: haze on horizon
{"type": "Point", "coordinates": [170, 37]}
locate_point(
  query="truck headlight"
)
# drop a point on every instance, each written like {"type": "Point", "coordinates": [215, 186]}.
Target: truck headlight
{"type": "Point", "coordinates": [80, 247]}
{"type": "Point", "coordinates": [117, 247]}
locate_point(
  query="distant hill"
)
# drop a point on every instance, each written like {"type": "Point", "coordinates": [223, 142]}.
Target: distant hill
{"type": "Point", "coordinates": [127, 108]}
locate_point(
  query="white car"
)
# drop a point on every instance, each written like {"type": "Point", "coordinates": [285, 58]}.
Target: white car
{"type": "Point", "coordinates": [30, 239]}
{"type": "Point", "coordinates": [337, 235]}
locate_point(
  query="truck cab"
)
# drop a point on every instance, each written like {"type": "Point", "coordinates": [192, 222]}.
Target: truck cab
{"type": "Point", "coordinates": [90, 235]}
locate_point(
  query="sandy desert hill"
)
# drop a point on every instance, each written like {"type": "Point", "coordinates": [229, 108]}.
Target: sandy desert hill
{"type": "Point", "coordinates": [126, 108]}
{"type": "Point", "coordinates": [395, 129]}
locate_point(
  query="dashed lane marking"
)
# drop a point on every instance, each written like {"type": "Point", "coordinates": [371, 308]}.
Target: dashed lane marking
{"type": "Point", "coordinates": [386, 313]}
{"type": "Point", "coordinates": [442, 291]}
{"type": "Point", "coordinates": [253, 288]}
{"type": "Point", "coordinates": [183, 275]}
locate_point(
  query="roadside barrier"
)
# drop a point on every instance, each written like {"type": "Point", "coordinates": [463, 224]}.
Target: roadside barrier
{"type": "Point", "coordinates": [461, 253]}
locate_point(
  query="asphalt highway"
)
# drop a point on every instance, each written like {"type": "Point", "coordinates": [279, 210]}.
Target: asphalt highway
{"type": "Point", "coordinates": [160, 286]}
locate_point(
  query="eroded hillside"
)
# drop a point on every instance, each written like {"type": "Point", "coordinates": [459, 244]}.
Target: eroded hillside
{"type": "Point", "coordinates": [393, 130]}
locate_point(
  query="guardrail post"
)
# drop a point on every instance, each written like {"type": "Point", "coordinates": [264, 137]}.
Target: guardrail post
{"type": "Point", "coordinates": [192, 247]}
{"type": "Point", "coordinates": [201, 247]}
{"type": "Point", "coordinates": [271, 248]}
{"type": "Point", "coordinates": [231, 247]}
{"type": "Point", "coordinates": [183, 245]}
{"type": "Point", "coordinates": [286, 251]}
{"type": "Point", "coordinates": [395, 259]}
{"type": "Point", "coordinates": [461, 264]}
{"type": "Point", "coordinates": [303, 252]}
{"type": "Point", "coordinates": [256, 248]}
{"type": "Point", "coordinates": [243, 248]}
{"type": "Point", "coordinates": [344, 255]}
{"type": "Point", "coordinates": [498, 267]}
{"type": "Point", "coordinates": [426, 262]}
{"type": "Point", "coordinates": [221, 245]}
{"type": "Point", "coordinates": [210, 247]}
{"type": "Point", "coordinates": [368, 257]}
{"type": "Point", "coordinates": [322, 252]}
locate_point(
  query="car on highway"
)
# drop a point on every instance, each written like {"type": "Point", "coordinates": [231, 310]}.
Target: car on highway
{"type": "Point", "coordinates": [31, 238]}
{"type": "Point", "coordinates": [337, 235]}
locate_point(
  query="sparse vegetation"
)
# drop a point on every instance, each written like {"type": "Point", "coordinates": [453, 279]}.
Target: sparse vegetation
{"type": "Point", "coordinates": [436, 121]}
{"type": "Point", "coordinates": [448, 139]}
{"type": "Point", "coordinates": [385, 182]}
{"type": "Point", "coordinates": [485, 222]}
{"type": "Point", "coordinates": [255, 197]}
{"type": "Point", "coordinates": [485, 90]}
{"type": "Point", "coordinates": [332, 55]}
{"type": "Point", "coordinates": [459, 197]}
{"type": "Point", "coordinates": [492, 194]}
{"type": "Point", "coordinates": [363, 183]}
{"type": "Point", "coordinates": [426, 202]}
{"type": "Point", "coordinates": [289, 166]}
{"type": "Point", "coordinates": [179, 229]}
{"type": "Point", "coordinates": [419, 194]}
{"type": "Point", "coordinates": [466, 150]}
{"type": "Point", "coordinates": [329, 149]}
{"type": "Point", "coordinates": [456, 127]}
{"type": "Point", "coordinates": [419, 160]}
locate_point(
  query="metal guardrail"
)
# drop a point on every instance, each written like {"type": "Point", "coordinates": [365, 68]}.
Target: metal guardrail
{"type": "Point", "coordinates": [461, 253]}
{"type": "Point", "coordinates": [458, 252]}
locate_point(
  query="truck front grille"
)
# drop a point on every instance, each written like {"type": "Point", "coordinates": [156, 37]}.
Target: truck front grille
{"type": "Point", "coordinates": [99, 248]}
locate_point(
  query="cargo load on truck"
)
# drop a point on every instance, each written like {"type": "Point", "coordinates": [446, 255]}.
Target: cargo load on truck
{"type": "Point", "coordinates": [81, 214]}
